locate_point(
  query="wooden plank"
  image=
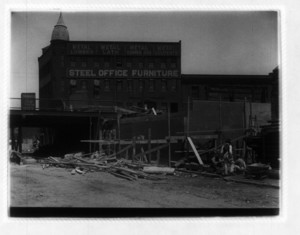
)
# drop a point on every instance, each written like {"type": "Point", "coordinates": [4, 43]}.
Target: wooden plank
{"type": "Point", "coordinates": [125, 142]}
{"type": "Point", "coordinates": [195, 150]}
{"type": "Point", "coordinates": [158, 170]}
{"type": "Point", "coordinates": [78, 164]}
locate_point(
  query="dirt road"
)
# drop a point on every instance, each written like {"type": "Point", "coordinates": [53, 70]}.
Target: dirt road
{"type": "Point", "coordinates": [31, 186]}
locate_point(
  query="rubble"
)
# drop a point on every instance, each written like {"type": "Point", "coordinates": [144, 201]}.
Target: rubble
{"type": "Point", "coordinates": [83, 163]}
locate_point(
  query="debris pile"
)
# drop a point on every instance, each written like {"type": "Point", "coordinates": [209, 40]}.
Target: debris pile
{"type": "Point", "coordinates": [82, 163]}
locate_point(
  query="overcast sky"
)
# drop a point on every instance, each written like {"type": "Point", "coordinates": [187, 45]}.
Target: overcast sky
{"type": "Point", "coordinates": [212, 42]}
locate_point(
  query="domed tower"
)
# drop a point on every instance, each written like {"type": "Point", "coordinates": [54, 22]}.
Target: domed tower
{"type": "Point", "coordinates": [60, 31]}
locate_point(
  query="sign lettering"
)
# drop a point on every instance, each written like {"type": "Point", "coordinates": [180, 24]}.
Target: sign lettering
{"type": "Point", "coordinates": [120, 73]}
{"type": "Point", "coordinates": [124, 49]}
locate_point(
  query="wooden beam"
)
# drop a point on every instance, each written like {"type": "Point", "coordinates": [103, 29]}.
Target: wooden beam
{"type": "Point", "coordinates": [125, 142]}
{"type": "Point", "coordinates": [195, 150]}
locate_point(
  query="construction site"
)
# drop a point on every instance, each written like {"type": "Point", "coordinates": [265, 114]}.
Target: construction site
{"type": "Point", "coordinates": [117, 125]}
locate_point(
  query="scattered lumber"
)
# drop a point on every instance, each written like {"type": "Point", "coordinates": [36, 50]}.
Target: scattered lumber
{"type": "Point", "coordinates": [119, 168]}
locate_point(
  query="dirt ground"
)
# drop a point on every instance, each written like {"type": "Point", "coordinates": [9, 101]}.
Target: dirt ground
{"type": "Point", "coordinates": [32, 186]}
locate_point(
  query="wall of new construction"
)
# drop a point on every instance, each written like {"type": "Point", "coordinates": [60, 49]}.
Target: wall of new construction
{"type": "Point", "coordinates": [139, 126]}
{"type": "Point", "coordinates": [232, 118]}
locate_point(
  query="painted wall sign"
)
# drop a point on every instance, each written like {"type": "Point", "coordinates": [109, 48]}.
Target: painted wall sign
{"type": "Point", "coordinates": [124, 49]}
{"type": "Point", "coordinates": [120, 73]}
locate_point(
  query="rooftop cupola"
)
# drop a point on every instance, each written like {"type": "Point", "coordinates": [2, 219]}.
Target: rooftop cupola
{"type": "Point", "coordinates": [60, 31]}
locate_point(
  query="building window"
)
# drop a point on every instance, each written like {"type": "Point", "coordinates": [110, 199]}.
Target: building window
{"type": "Point", "coordinates": [195, 92]}
{"type": "Point", "coordinates": [140, 65]}
{"type": "Point", "coordinates": [130, 85]}
{"type": "Point", "coordinates": [173, 85]}
{"type": "Point", "coordinates": [73, 64]}
{"type": "Point", "coordinates": [151, 85]}
{"type": "Point", "coordinates": [96, 91]}
{"type": "Point", "coordinates": [83, 64]}
{"type": "Point", "coordinates": [106, 85]}
{"type": "Point", "coordinates": [141, 85]}
{"type": "Point", "coordinates": [174, 107]}
{"type": "Point", "coordinates": [119, 62]}
{"type": "Point", "coordinates": [119, 85]}
{"type": "Point", "coordinates": [97, 82]}
{"type": "Point", "coordinates": [106, 62]}
{"type": "Point", "coordinates": [164, 85]}
{"type": "Point", "coordinates": [96, 64]}
{"type": "Point", "coordinates": [151, 65]}
{"type": "Point", "coordinates": [96, 87]}
{"type": "Point", "coordinates": [73, 83]}
{"type": "Point", "coordinates": [172, 63]}
{"type": "Point", "coordinates": [83, 85]}
{"type": "Point", "coordinates": [163, 65]}
{"type": "Point", "coordinates": [128, 64]}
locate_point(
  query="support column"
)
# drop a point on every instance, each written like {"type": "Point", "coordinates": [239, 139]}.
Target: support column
{"type": "Point", "coordinates": [90, 133]}
{"type": "Point", "coordinates": [20, 139]}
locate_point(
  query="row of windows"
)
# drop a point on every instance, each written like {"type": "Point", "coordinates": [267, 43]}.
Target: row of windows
{"type": "Point", "coordinates": [119, 62]}
{"type": "Point", "coordinates": [128, 85]}
{"type": "Point", "coordinates": [230, 94]}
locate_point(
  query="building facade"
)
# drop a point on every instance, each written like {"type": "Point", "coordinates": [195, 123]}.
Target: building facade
{"type": "Point", "coordinates": [76, 74]}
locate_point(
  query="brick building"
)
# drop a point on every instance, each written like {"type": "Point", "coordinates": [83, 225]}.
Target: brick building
{"type": "Point", "coordinates": [77, 74]}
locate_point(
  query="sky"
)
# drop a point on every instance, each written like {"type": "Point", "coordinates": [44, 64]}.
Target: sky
{"type": "Point", "coordinates": [212, 42]}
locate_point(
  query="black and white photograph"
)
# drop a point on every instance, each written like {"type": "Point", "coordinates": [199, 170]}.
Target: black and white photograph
{"type": "Point", "coordinates": [144, 113]}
